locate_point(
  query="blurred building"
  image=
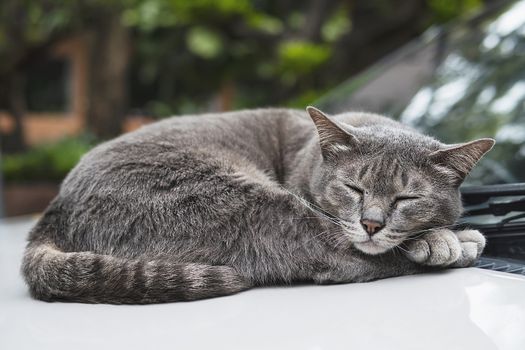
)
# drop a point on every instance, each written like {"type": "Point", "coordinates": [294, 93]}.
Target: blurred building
{"type": "Point", "coordinates": [55, 93]}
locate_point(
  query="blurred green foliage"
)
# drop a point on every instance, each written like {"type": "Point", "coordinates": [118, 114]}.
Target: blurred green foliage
{"type": "Point", "coordinates": [204, 42]}
{"type": "Point", "coordinates": [300, 58]}
{"type": "Point", "coordinates": [336, 26]}
{"type": "Point", "coordinates": [186, 54]}
{"type": "Point", "coordinates": [183, 51]}
{"type": "Point", "coordinates": [445, 10]}
{"type": "Point", "coordinates": [48, 162]}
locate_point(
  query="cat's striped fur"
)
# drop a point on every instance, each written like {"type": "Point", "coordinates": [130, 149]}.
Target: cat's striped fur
{"type": "Point", "coordinates": [203, 206]}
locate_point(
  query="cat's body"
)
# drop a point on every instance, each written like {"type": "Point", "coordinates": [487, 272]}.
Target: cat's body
{"type": "Point", "coordinates": [195, 207]}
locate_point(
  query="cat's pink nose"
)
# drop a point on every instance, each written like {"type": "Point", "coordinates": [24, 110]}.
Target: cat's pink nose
{"type": "Point", "coordinates": [371, 226]}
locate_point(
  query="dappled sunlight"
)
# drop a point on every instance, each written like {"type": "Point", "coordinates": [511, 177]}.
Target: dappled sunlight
{"type": "Point", "coordinates": [513, 133]}
{"type": "Point", "coordinates": [479, 91]}
{"type": "Point", "coordinates": [510, 100]}
{"type": "Point", "coordinates": [510, 21]}
{"type": "Point", "coordinates": [445, 97]}
{"type": "Point", "coordinates": [486, 95]}
{"type": "Point", "coordinates": [417, 107]}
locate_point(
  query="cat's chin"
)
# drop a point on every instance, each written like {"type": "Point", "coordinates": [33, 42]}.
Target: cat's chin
{"type": "Point", "coordinates": [370, 247]}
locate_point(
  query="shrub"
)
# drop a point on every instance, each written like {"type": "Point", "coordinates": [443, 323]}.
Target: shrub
{"type": "Point", "coordinates": [47, 162]}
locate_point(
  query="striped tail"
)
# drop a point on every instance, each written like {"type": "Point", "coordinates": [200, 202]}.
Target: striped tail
{"type": "Point", "coordinates": [54, 275]}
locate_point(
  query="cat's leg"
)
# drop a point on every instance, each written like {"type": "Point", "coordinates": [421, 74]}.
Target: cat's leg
{"type": "Point", "coordinates": [437, 249]}
{"type": "Point", "coordinates": [443, 247]}
{"type": "Point", "coordinates": [472, 245]}
{"type": "Point", "coordinates": [363, 268]}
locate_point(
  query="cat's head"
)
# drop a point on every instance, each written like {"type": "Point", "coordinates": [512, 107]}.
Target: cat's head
{"type": "Point", "coordinates": [385, 183]}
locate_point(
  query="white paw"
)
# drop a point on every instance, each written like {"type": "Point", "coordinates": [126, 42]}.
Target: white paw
{"type": "Point", "coordinates": [436, 248]}
{"type": "Point", "coordinates": [472, 244]}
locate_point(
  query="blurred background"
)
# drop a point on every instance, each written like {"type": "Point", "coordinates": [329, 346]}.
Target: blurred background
{"type": "Point", "coordinates": [74, 73]}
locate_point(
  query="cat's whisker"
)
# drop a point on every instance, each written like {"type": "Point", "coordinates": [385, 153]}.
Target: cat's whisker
{"type": "Point", "coordinates": [319, 234]}
{"type": "Point", "coordinates": [416, 237]}
{"type": "Point", "coordinates": [401, 248]}
{"type": "Point", "coordinates": [394, 250]}
{"type": "Point", "coordinates": [306, 218]}
{"type": "Point", "coordinates": [432, 229]}
{"type": "Point", "coordinates": [419, 233]}
{"type": "Point", "coordinates": [407, 238]}
{"type": "Point", "coordinates": [338, 242]}
{"type": "Point", "coordinates": [314, 208]}
{"type": "Point", "coordinates": [328, 233]}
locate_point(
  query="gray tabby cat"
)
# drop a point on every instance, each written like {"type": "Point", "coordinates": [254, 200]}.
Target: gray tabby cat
{"type": "Point", "coordinates": [197, 207]}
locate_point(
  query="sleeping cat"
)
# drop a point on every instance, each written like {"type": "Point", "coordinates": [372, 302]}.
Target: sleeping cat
{"type": "Point", "coordinates": [197, 207]}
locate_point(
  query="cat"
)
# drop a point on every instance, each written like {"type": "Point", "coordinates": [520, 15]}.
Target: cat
{"type": "Point", "coordinates": [202, 206]}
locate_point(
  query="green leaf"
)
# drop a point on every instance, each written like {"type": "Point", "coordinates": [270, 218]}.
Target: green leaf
{"type": "Point", "coordinates": [265, 23]}
{"type": "Point", "coordinates": [204, 43]}
{"type": "Point", "coordinates": [336, 26]}
{"type": "Point", "coordinates": [302, 57]}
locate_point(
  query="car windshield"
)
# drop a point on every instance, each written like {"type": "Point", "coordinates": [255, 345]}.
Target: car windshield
{"type": "Point", "coordinates": [459, 83]}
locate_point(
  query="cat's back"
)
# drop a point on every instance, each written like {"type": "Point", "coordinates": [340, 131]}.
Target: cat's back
{"type": "Point", "coordinates": [184, 144]}
{"type": "Point", "coordinates": [200, 131]}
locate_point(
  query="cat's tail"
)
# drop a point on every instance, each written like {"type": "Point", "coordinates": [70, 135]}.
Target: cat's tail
{"type": "Point", "coordinates": [54, 275]}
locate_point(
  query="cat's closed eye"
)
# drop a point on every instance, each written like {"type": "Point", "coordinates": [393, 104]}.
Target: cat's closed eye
{"type": "Point", "coordinates": [356, 189]}
{"type": "Point", "coordinates": [405, 198]}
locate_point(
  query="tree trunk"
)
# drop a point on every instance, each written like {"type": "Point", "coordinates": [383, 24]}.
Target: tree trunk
{"type": "Point", "coordinates": [377, 31]}
{"type": "Point", "coordinates": [317, 13]}
{"type": "Point", "coordinates": [107, 88]}
{"type": "Point", "coordinates": [226, 95]}
{"type": "Point", "coordinates": [12, 89]}
{"type": "Point", "coordinates": [13, 96]}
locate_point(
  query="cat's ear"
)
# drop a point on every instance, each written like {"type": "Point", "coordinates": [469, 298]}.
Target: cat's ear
{"type": "Point", "coordinates": [332, 137]}
{"type": "Point", "coordinates": [460, 159]}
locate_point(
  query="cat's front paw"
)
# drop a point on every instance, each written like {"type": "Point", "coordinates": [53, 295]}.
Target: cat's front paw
{"type": "Point", "coordinates": [472, 244]}
{"type": "Point", "coordinates": [439, 247]}
{"type": "Point", "coordinates": [443, 247]}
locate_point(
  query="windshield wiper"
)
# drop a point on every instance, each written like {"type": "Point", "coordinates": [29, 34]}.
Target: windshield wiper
{"type": "Point", "coordinates": [496, 207]}
{"type": "Point", "coordinates": [496, 200]}
{"type": "Point", "coordinates": [478, 194]}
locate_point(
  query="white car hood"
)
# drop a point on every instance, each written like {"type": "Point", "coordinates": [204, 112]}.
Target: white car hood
{"type": "Point", "coordinates": [455, 309]}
